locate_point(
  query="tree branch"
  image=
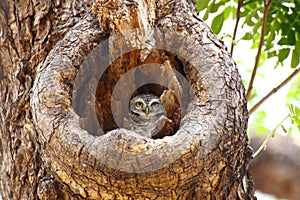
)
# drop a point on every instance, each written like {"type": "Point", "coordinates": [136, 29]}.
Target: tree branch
{"type": "Point", "coordinates": [271, 135]}
{"type": "Point", "coordinates": [274, 90]}
{"type": "Point", "coordinates": [238, 14]}
{"type": "Point", "coordinates": [261, 42]}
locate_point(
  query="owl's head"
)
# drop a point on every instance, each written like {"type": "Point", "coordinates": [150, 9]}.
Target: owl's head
{"type": "Point", "coordinates": [146, 105]}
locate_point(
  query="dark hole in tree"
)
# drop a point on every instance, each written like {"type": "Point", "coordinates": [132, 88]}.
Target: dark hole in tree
{"type": "Point", "coordinates": [101, 101]}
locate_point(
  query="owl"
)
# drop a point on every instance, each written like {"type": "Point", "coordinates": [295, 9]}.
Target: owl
{"type": "Point", "coordinates": [145, 114]}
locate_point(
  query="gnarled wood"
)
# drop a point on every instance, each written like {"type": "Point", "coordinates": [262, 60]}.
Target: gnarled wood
{"type": "Point", "coordinates": [207, 157]}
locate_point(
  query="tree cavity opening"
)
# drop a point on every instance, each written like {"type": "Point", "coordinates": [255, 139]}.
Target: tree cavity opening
{"type": "Point", "coordinates": [103, 89]}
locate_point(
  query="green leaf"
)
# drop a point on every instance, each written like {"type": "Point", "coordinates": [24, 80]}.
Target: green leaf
{"type": "Point", "coordinates": [216, 6]}
{"type": "Point", "coordinates": [217, 23]}
{"type": "Point", "coordinates": [227, 12]}
{"type": "Point", "coordinates": [205, 17]}
{"type": "Point", "coordinates": [201, 4]}
{"type": "Point", "coordinates": [283, 54]}
{"type": "Point", "coordinates": [295, 59]}
{"type": "Point", "coordinates": [252, 16]}
{"type": "Point", "coordinates": [283, 41]}
{"type": "Point", "coordinates": [297, 111]}
{"type": "Point", "coordinates": [291, 38]}
{"type": "Point", "coordinates": [271, 54]}
{"type": "Point", "coordinates": [261, 116]}
{"type": "Point", "coordinates": [295, 115]}
{"type": "Point", "coordinates": [262, 59]}
{"type": "Point", "coordinates": [257, 26]}
{"type": "Point", "coordinates": [270, 38]}
{"type": "Point", "coordinates": [281, 17]}
{"type": "Point", "coordinates": [276, 25]}
{"type": "Point", "coordinates": [297, 27]}
{"type": "Point", "coordinates": [293, 94]}
{"type": "Point", "coordinates": [261, 130]}
{"type": "Point", "coordinates": [248, 36]}
{"type": "Point", "coordinates": [254, 45]}
{"type": "Point", "coordinates": [249, 21]}
{"type": "Point", "coordinates": [297, 5]}
{"type": "Point", "coordinates": [285, 27]}
{"type": "Point", "coordinates": [297, 47]}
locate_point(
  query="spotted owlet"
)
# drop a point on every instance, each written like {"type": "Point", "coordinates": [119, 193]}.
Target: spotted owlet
{"type": "Point", "coordinates": [145, 114]}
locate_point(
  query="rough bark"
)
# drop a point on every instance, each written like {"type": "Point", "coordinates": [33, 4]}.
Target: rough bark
{"type": "Point", "coordinates": [47, 152]}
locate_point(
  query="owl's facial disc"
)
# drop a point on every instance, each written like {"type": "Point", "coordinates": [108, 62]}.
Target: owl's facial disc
{"type": "Point", "coordinates": [146, 106]}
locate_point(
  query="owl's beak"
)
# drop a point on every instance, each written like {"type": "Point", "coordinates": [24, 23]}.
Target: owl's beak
{"type": "Point", "coordinates": [147, 111]}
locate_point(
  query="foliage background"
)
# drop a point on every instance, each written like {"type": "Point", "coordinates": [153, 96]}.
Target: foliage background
{"type": "Point", "coordinates": [264, 39]}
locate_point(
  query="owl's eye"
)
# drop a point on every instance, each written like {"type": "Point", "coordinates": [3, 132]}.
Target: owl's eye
{"type": "Point", "coordinates": [154, 104]}
{"type": "Point", "coordinates": [138, 104]}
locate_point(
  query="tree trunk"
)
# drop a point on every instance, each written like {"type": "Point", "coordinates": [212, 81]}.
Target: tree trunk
{"type": "Point", "coordinates": [66, 77]}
